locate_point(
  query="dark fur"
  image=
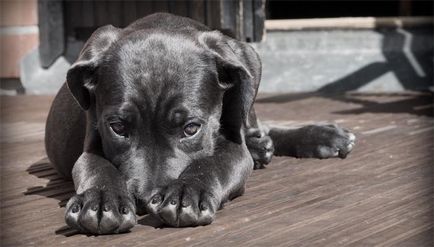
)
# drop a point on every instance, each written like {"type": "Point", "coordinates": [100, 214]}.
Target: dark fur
{"type": "Point", "coordinates": [156, 75]}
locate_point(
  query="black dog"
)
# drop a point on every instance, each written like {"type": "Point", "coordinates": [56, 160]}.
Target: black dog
{"type": "Point", "coordinates": [158, 119]}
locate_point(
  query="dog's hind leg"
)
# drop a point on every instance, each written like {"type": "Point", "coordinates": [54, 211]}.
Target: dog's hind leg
{"type": "Point", "coordinates": [312, 141]}
{"type": "Point", "coordinates": [64, 132]}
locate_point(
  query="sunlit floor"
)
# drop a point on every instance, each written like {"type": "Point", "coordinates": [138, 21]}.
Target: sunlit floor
{"type": "Point", "coordinates": [380, 195]}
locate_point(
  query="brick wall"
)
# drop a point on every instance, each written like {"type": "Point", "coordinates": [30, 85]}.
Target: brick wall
{"type": "Point", "coordinates": [18, 34]}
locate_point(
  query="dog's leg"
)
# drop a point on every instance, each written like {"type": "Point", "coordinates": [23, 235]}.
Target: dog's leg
{"type": "Point", "coordinates": [102, 204]}
{"type": "Point", "coordinates": [312, 141]}
{"type": "Point", "coordinates": [65, 132]}
{"type": "Point", "coordinates": [258, 142]}
{"type": "Point", "coordinates": [203, 187]}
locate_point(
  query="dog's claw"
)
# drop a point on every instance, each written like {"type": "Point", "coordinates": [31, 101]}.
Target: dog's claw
{"type": "Point", "coordinates": [325, 141]}
{"type": "Point", "coordinates": [260, 146]}
{"type": "Point", "coordinates": [184, 204]}
{"type": "Point", "coordinates": [96, 212]}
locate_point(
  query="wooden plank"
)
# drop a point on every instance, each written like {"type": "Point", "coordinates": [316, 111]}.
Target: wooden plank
{"type": "Point", "coordinates": [259, 19]}
{"type": "Point", "coordinates": [240, 20]}
{"type": "Point", "coordinates": [51, 31]}
{"type": "Point", "coordinates": [87, 9]}
{"type": "Point", "coordinates": [129, 12]}
{"type": "Point", "coordinates": [405, 7]}
{"type": "Point", "coordinates": [213, 13]}
{"type": "Point", "coordinates": [114, 14]}
{"type": "Point", "coordinates": [229, 14]}
{"type": "Point", "coordinates": [348, 23]}
{"type": "Point", "coordinates": [379, 196]}
{"type": "Point", "coordinates": [248, 20]}
{"type": "Point", "coordinates": [144, 8]}
{"type": "Point", "coordinates": [160, 6]}
{"type": "Point", "coordinates": [73, 17]}
{"type": "Point", "coordinates": [179, 7]}
{"type": "Point", "coordinates": [197, 10]}
{"type": "Point", "coordinates": [101, 9]}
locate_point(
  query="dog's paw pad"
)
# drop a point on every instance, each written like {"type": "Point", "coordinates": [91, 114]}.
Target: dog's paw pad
{"type": "Point", "coordinates": [260, 146]}
{"type": "Point", "coordinates": [351, 143]}
{"type": "Point", "coordinates": [325, 141]}
{"type": "Point", "coordinates": [100, 212]}
{"type": "Point", "coordinates": [183, 204]}
{"type": "Point", "coordinates": [341, 142]}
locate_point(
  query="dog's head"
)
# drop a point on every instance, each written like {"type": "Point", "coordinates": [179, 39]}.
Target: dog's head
{"type": "Point", "coordinates": [159, 100]}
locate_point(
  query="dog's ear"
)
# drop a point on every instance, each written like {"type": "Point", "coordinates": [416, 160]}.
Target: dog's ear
{"type": "Point", "coordinates": [239, 72]}
{"type": "Point", "coordinates": [81, 77]}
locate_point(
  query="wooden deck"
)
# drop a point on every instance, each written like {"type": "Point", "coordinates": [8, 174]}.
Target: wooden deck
{"type": "Point", "coordinates": [380, 195]}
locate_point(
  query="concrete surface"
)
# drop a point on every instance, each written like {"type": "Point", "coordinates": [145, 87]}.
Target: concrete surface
{"type": "Point", "coordinates": [342, 60]}
{"type": "Point", "coordinates": [387, 60]}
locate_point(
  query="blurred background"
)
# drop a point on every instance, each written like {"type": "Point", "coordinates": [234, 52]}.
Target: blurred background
{"type": "Point", "coordinates": [306, 46]}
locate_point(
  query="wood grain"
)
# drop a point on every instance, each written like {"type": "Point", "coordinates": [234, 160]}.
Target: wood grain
{"type": "Point", "coordinates": [381, 195]}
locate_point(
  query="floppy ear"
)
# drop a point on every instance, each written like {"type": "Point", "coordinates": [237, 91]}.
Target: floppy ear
{"type": "Point", "coordinates": [81, 77]}
{"type": "Point", "coordinates": [239, 72]}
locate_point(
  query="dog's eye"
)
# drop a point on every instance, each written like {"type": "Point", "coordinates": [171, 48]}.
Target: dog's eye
{"type": "Point", "coordinates": [118, 128]}
{"type": "Point", "coordinates": [191, 129]}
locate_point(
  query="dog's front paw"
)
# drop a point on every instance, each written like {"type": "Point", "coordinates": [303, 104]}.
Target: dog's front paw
{"type": "Point", "coordinates": [325, 141]}
{"type": "Point", "coordinates": [184, 203]}
{"type": "Point", "coordinates": [260, 147]}
{"type": "Point", "coordinates": [100, 212]}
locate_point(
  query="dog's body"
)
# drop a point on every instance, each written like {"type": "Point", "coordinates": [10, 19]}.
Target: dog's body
{"type": "Point", "coordinates": [158, 118]}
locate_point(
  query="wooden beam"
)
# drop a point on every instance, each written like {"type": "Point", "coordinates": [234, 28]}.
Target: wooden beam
{"type": "Point", "coordinates": [51, 31]}
{"type": "Point", "coordinates": [213, 14]}
{"type": "Point", "coordinates": [348, 23]}
{"type": "Point", "coordinates": [197, 10]}
{"type": "Point", "coordinates": [248, 20]}
{"type": "Point", "coordinates": [405, 7]}
{"type": "Point", "coordinates": [259, 19]}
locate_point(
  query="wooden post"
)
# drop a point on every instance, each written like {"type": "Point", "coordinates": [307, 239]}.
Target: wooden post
{"type": "Point", "coordinates": [213, 14]}
{"type": "Point", "coordinates": [228, 18]}
{"type": "Point", "coordinates": [259, 19]}
{"type": "Point", "coordinates": [248, 20]}
{"type": "Point", "coordinates": [197, 10]}
{"type": "Point", "coordinates": [51, 31]}
{"type": "Point", "coordinates": [405, 8]}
